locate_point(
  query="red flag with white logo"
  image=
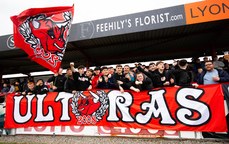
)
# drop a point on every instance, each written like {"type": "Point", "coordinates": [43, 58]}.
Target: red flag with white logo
{"type": "Point", "coordinates": [43, 34]}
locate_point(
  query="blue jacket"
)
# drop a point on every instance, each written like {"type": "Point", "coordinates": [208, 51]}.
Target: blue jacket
{"type": "Point", "coordinates": [223, 75]}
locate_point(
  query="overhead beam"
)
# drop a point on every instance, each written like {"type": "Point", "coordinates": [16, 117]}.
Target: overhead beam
{"type": "Point", "coordinates": [88, 58]}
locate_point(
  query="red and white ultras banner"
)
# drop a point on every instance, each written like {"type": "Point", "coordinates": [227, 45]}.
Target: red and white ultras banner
{"type": "Point", "coordinates": [180, 109]}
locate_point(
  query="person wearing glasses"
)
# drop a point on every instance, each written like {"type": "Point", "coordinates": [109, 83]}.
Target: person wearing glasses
{"type": "Point", "coordinates": [211, 75]}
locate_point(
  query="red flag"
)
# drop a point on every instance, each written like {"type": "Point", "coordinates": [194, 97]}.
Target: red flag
{"type": "Point", "coordinates": [43, 34]}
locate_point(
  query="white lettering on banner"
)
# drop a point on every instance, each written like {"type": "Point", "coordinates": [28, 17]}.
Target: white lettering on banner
{"type": "Point", "coordinates": [185, 114]}
{"type": "Point", "coordinates": [18, 118]}
{"type": "Point", "coordinates": [191, 110]}
{"type": "Point", "coordinates": [64, 99]}
{"type": "Point", "coordinates": [122, 101]}
{"type": "Point", "coordinates": [157, 97]}
{"type": "Point", "coordinates": [158, 108]}
{"type": "Point", "coordinates": [40, 116]}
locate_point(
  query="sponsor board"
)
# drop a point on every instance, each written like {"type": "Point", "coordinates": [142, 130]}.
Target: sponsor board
{"type": "Point", "coordinates": [205, 11]}
{"type": "Point", "coordinates": [106, 131]}
{"type": "Point", "coordinates": [192, 13]}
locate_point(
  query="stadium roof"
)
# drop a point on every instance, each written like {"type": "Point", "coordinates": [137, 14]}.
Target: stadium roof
{"type": "Point", "coordinates": [159, 34]}
{"type": "Point", "coordinates": [169, 43]}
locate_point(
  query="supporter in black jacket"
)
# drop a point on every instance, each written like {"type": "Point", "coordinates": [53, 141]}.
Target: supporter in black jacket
{"type": "Point", "coordinates": [70, 84]}
{"type": "Point", "coordinates": [123, 81]}
{"type": "Point", "coordinates": [40, 87]}
{"type": "Point", "coordinates": [128, 84]}
{"type": "Point", "coordinates": [148, 73]}
{"type": "Point", "coordinates": [106, 80]}
{"type": "Point", "coordinates": [119, 78]}
{"type": "Point", "coordinates": [58, 80]}
{"type": "Point", "coordinates": [182, 77]}
{"type": "Point", "coordinates": [143, 82]}
{"type": "Point", "coordinates": [83, 82]}
{"type": "Point", "coordinates": [159, 77]}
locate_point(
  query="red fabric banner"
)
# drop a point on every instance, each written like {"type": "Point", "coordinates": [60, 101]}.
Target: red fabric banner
{"type": "Point", "coordinates": [43, 34]}
{"type": "Point", "coordinates": [182, 109]}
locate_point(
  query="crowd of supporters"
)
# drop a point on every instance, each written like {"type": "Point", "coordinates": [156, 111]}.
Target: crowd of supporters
{"type": "Point", "coordinates": [138, 78]}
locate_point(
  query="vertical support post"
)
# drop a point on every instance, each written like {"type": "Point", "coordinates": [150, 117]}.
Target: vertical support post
{"type": "Point", "coordinates": [87, 64]}
{"type": "Point", "coordinates": [1, 72]}
{"type": "Point", "coordinates": [213, 53]}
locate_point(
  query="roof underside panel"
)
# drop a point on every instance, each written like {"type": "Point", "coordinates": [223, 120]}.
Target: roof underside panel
{"type": "Point", "coordinates": [162, 44]}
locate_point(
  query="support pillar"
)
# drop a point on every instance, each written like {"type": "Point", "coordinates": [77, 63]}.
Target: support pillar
{"type": "Point", "coordinates": [213, 53]}
{"type": "Point", "coordinates": [1, 73]}
{"type": "Point", "coordinates": [87, 64]}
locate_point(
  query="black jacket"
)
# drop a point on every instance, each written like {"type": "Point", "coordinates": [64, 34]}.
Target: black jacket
{"type": "Point", "coordinates": [41, 89]}
{"type": "Point", "coordinates": [181, 77]}
{"type": "Point", "coordinates": [157, 79]}
{"type": "Point", "coordinates": [82, 81]}
{"type": "Point", "coordinates": [27, 90]}
{"type": "Point", "coordinates": [151, 75]}
{"type": "Point", "coordinates": [110, 84]}
{"type": "Point", "coordinates": [70, 85]}
{"type": "Point", "coordinates": [146, 84]}
{"type": "Point", "coordinates": [58, 81]}
{"type": "Point", "coordinates": [126, 82]}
